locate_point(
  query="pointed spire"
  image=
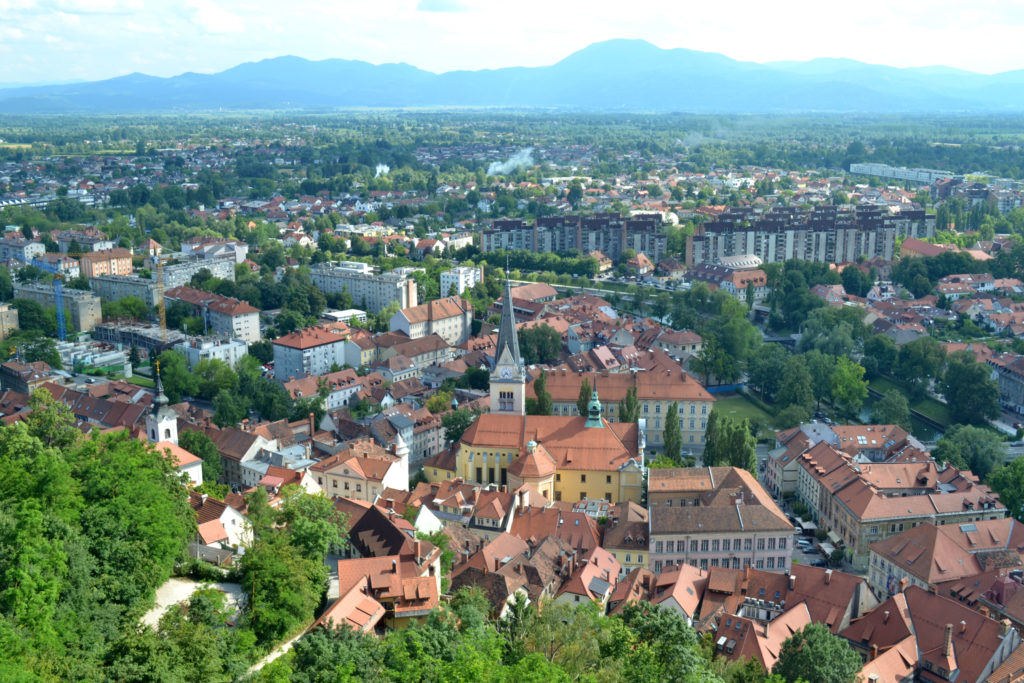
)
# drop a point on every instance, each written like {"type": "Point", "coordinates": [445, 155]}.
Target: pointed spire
{"type": "Point", "coordinates": [507, 338]}
{"type": "Point", "coordinates": [161, 398]}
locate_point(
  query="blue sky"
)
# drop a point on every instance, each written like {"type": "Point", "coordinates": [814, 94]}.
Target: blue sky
{"type": "Point", "coordinates": [56, 40]}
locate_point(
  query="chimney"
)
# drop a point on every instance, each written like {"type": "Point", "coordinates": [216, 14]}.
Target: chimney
{"type": "Point", "coordinates": [416, 548]}
{"type": "Point", "coordinates": [497, 563]}
{"type": "Point", "coordinates": [394, 566]}
{"type": "Point", "coordinates": [792, 582]}
{"type": "Point", "coordinates": [903, 584]}
{"type": "Point", "coordinates": [963, 626]}
{"type": "Point", "coordinates": [947, 643]}
{"type": "Point", "coordinates": [1004, 628]}
{"type": "Point", "coordinates": [766, 629]}
{"type": "Point", "coordinates": [312, 426]}
{"type": "Point", "coordinates": [828, 576]}
{"type": "Point", "coordinates": [983, 610]}
{"type": "Point", "coordinates": [874, 652]}
{"type": "Point", "coordinates": [885, 616]}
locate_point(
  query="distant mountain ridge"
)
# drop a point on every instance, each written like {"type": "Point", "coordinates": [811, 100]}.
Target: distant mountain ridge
{"type": "Point", "coordinates": [615, 75]}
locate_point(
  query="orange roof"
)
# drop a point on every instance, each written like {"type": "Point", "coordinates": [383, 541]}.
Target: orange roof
{"type": "Point", "coordinates": [309, 338]}
{"type": "Point", "coordinates": [212, 531]}
{"type": "Point", "coordinates": [178, 455]}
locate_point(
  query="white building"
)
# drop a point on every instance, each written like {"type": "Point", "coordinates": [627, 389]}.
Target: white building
{"type": "Point", "coordinates": [450, 318]}
{"type": "Point", "coordinates": [457, 280]}
{"type": "Point", "coordinates": [369, 291]}
{"type": "Point", "coordinates": [198, 349]}
{"type": "Point", "coordinates": [312, 351]}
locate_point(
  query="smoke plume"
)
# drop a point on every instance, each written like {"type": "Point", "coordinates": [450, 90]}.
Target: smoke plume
{"type": "Point", "coordinates": [521, 159]}
{"type": "Point", "coordinates": [382, 169]}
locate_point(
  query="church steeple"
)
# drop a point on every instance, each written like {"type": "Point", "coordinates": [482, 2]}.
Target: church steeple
{"type": "Point", "coordinates": [162, 422]}
{"type": "Point", "coordinates": [508, 376]}
{"type": "Point", "coordinates": [507, 350]}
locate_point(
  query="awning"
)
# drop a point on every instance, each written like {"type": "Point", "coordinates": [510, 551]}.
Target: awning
{"type": "Point", "coordinates": [808, 526]}
{"type": "Point", "coordinates": [827, 548]}
{"type": "Point", "coordinates": [834, 537]}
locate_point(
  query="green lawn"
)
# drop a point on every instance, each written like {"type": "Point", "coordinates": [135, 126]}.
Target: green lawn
{"type": "Point", "coordinates": [739, 407]}
{"type": "Point", "coordinates": [142, 381]}
{"type": "Point", "coordinates": [928, 406]}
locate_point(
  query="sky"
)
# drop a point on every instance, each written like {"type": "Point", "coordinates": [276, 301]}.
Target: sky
{"type": "Point", "coordinates": [64, 40]}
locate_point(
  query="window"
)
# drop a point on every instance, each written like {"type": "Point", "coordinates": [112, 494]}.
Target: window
{"type": "Point", "coordinates": [782, 543]}
{"type": "Point", "coordinates": [771, 544]}
{"type": "Point", "coordinates": [693, 409]}
{"type": "Point", "coordinates": [704, 565]}
{"type": "Point", "coordinates": [657, 565]}
{"type": "Point", "coordinates": [583, 480]}
{"type": "Point", "coordinates": [693, 546]}
{"type": "Point", "coordinates": [714, 561]}
{"type": "Point", "coordinates": [760, 564]}
{"type": "Point", "coordinates": [608, 479]}
{"type": "Point", "coordinates": [760, 544]}
{"type": "Point", "coordinates": [346, 486]}
{"type": "Point", "coordinates": [335, 482]}
{"type": "Point", "coordinates": [874, 530]}
{"type": "Point", "coordinates": [771, 563]}
{"type": "Point", "coordinates": [640, 559]}
{"type": "Point", "coordinates": [558, 476]}
{"type": "Point", "coordinates": [782, 562]}
{"type": "Point", "coordinates": [583, 494]}
{"type": "Point", "coordinates": [659, 547]}
{"type": "Point", "coordinates": [657, 409]}
{"type": "Point", "coordinates": [608, 496]}
{"type": "Point", "coordinates": [725, 545]}
{"type": "Point", "coordinates": [627, 557]}
{"type": "Point", "coordinates": [670, 546]}
{"type": "Point", "coordinates": [747, 544]}
{"type": "Point", "coordinates": [704, 546]}
{"type": "Point", "coordinates": [714, 546]}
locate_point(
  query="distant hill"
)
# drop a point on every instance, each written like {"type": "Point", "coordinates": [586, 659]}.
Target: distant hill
{"type": "Point", "coordinates": [616, 75]}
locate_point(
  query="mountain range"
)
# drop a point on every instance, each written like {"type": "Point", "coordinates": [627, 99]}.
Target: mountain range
{"type": "Point", "coordinates": [615, 75]}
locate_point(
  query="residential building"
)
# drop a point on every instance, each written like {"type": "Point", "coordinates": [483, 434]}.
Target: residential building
{"type": "Point", "coordinates": [196, 349]}
{"type": "Point", "coordinates": [115, 287]}
{"type": "Point", "coordinates": [181, 273]}
{"type": "Point", "coordinates": [450, 318]}
{"type": "Point", "coordinates": [86, 308]}
{"type": "Point", "coordinates": [826, 234]}
{"type": "Point", "coordinates": [739, 284]}
{"type": "Point", "coordinates": [922, 176]}
{"type": "Point", "coordinates": [8, 320]}
{"type": "Point", "coordinates": [625, 536]}
{"type": "Point", "coordinates": [24, 378]}
{"type": "Point", "coordinates": [592, 581]}
{"type": "Point", "coordinates": [17, 247]}
{"type": "Point", "coordinates": [370, 292]}
{"type": "Point", "coordinates": [609, 233]}
{"type": "Point", "coordinates": [148, 337]}
{"type": "Point", "coordinates": [655, 392]}
{"type": "Point", "coordinates": [63, 264]}
{"type": "Point", "coordinates": [741, 638]}
{"type": "Point", "coordinates": [922, 636]}
{"type": "Point", "coordinates": [186, 463]}
{"type": "Point", "coordinates": [861, 503]}
{"type": "Point", "coordinates": [361, 472]}
{"type": "Point", "coordinates": [105, 262]}
{"type": "Point", "coordinates": [312, 351]}
{"type": "Point", "coordinates": [926, 555]}
{"type": "Point", "coordinates": [457, 280]}
{"type": "Point", "coordinates": [715, 517]}
{"type": "Point", "coordinates": [76, 242]}
{"type": "Point", "coordinates": [222, 315]}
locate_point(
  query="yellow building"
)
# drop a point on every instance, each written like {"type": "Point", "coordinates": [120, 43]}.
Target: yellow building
{"type": "Point", "coordinates": [564, 458]}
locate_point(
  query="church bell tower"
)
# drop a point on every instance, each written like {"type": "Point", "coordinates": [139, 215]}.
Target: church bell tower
{"type": "Point", "coordinates": [508, 376]}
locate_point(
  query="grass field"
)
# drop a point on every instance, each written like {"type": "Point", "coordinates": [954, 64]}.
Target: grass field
{"type": "Point", "coordinates": [929, 407]}
{"type": "Point", "coordinates": [142, 382]}
{"type": "Point", "coordinates": [738, 407]}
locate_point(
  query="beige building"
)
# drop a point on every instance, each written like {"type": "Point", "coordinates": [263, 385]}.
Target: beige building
{"type": "Point", "coordinates": [715, 517]}
{"type": "Point", "coordinates": [655, 391]}
{"type": "Point", "coordinates": [86, 308]}
{"type": "Point", "coordinates": [450, 318]}
{"type": "Point", "coordinates": [8, 320]}
{"type": "Point", "coordinates": [106, 262]}
{"type": "Point", "coordinates": [223, 315]}
{"type": "Point", "coordinates": [361, 472]}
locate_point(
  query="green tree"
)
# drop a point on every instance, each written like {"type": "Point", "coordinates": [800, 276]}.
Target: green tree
{"type": "Point", "coordinates": [672, 437]}
{"type": "Point", "coordinates": [439, 402]}
{"type": "Point", "coordinates": [882, 352]}
{"type": "Point", "coordinates": [814, 654]}
{"type": "Point", "coordinates": [542, 405]}
{"type": "Point", "coordinates": [728, 442]}
{"type": "Point", "coordinates": [918, 362]}
{"type": "Point", "coordinates": [1008, 482]}
{"type": "Point", "coordinates": [849, 388]}
{"type": "Point", "coordinates": [456, 423]}
{"type": "Point", "coordinates": [228, 409]}
{"type": "Point", "coordinates": [540, 344]}
{"type": "Point", "coordinates": [200, 445]}
{"type": "Point", "coordinates": [892, 409]}
{"type": "Point", "coordinates": [575, 194]}
{"type": "Point", "coordinates": [213, 376]}
{"type": "Point", "coordinates": [820, 366]}
{"type": "Point", "coordinates": [796, 387]}
{"type": "Point", "coordinates": [178, 382]}
{"type": "Point", "coordinates": [583, 400]}
{"type": "Point", "coordinates": [629, 406]}
{"type": "Point", "coordinates": [973, 448]}
{"type": "Point", "coordinates": [767, 368]}
{"type": "Point", "coordinates": [971, 393]}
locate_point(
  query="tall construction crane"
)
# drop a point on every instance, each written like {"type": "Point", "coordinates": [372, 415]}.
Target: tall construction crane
{"type": "Point", "coordinates": [58, 290]}
{"type": "Point", "coordinates": [160, 295]}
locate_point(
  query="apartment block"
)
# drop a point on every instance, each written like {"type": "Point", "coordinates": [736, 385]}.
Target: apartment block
{"type": "Point", "coordinates": [608, 233]}
{"type": "Point", "coordinates": [106, 262]}
{"type": "Point", "coordinates": [450, 318]}
{"type": "Point", "coordinates": [312, 351]}
{"type": "Point", "coordinates": [85, 307]}
{"type": "Point", "coordinates": [114, 287]}
{"type": "Point", "coordinates": [223, 315]}
{"type": "Point", "coordinates": [8, 320]}
{"type": "Point", "coordinates": [17, 247]}
{"type": "Point", "coordinates": [827, 234]}
{"type": "Point", "coordinates": [369, 291]}
{"type": "Point", "coordinates": [196, 349]}
{"type": "Point", "coordinates": [180, 274]}
{"type": "Point", "coordinates": [457, 280]}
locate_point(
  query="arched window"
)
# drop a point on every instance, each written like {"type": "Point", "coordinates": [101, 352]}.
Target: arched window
{"type": "Point", "coordinates": [167, 433]}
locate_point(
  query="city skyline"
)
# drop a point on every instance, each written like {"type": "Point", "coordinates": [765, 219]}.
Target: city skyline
{"type": "Point", "coordinates": [66, 40]}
